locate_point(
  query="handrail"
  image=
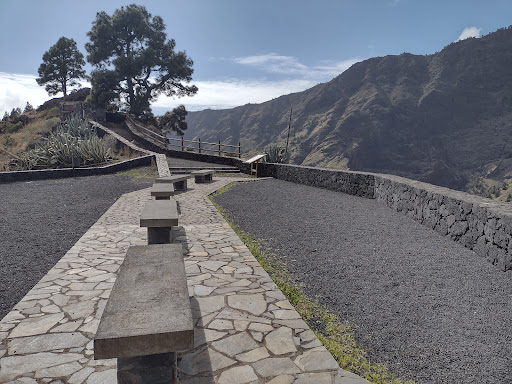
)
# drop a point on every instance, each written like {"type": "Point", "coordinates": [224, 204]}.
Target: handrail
{"type": "Point", "coordinates": [163, 139]}
{"type": "Point", "coordinates": [168, 142]}
{"type": "Point", "coordinates": [218, 150]}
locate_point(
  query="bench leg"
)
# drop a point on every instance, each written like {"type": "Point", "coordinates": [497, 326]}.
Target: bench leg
{"type": "Point", "coordinates": [162, 198]}
{"type": "Point", "coordinates": [208, 177]}
{"type": "Point", "coordinates": [180, 185]}
{"type": "Point", "coordinates": [199, 179]}
{"type": "Point", "coordinates": [159, 235]}
{"type": "Point", "coordinates": [152, 369]}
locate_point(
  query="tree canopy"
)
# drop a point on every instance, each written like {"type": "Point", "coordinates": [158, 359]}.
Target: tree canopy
{"type": "Point", "coordinates": [174, 121]}
{"type": "Point", "coordinates": [134, 62]}
{"type": "Point", "coordinates": [61, 68]}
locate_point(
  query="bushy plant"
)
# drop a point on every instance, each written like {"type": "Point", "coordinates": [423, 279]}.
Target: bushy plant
{"type": "Point", "coordinates": [275, 154]}
{"type": "Point", "coordinates": [73, 138]}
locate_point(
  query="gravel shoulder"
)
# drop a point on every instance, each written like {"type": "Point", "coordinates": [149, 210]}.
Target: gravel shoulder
{"type": "Point", "coordinates": [430, 309]}
{"type": "Point", "coordinates": [41, 220]}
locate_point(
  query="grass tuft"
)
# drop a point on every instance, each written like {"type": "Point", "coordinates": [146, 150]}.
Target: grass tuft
{"type": "Point", "coordinates": [336, 335]}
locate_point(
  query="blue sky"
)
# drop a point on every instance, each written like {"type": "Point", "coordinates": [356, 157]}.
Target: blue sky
{"type": "Point", "coordinates": [247, 51]}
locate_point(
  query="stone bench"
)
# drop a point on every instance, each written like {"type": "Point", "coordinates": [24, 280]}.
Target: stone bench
{"type": "Point", "coordinates": [162, 191]}
{"type": "Point", "coordinates": [179, 181]}
{"type": "Point", "coordinates": [203, 175]}
{"type": "Point", "coordinates": [148, 317]}
{"type": "Point", "coordinates": [159, 216]}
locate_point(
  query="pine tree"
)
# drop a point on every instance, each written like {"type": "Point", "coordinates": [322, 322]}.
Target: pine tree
{"type": "Point", "coordinates": [61, 67]}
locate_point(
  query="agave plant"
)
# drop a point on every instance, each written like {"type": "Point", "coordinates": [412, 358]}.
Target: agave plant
{"type": "Point", "coordinates": [275, 154]}
{"type": "Point", "coordinates": [73, 138]}
{"type": "Point", "coordinates": [77, 127]}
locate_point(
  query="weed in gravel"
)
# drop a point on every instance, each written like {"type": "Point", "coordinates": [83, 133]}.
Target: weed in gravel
{"type": "Point", "coordinates": [336, 335]}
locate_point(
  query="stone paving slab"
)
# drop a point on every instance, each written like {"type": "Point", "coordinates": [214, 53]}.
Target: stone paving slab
{"type": "Point", "coordinates": [245, 329]}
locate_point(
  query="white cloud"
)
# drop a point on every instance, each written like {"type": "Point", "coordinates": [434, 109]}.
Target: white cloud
{"type": "Point", "coordinates": [16, 89]}
{"type": "Point", "coordinates": [291, 66]}
{"type": "Point", "coordinates": [231, 93]}
{"type": "Point", "coordinates": [469, 32]}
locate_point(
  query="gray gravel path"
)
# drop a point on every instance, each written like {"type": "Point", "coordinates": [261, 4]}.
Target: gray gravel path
{"type": "Point", "coordinates": [432, 310]}
{"type": "Point", "coordinates": [41, 220]}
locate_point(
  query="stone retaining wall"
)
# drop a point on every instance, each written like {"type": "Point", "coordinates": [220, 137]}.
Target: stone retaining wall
{"type": "Point", "coordinates": [481, 224]}
{"type": "Point", "coordinates": [353, 183]}
{"type": "Point", "coordinates": [44, 174]}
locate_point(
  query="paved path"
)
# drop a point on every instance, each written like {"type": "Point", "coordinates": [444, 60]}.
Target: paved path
{"type": "Point", "coordinates": [246, 330]}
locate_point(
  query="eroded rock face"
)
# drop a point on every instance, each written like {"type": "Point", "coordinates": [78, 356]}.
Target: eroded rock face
{"type": "Point", "coordinates": [436, 118]}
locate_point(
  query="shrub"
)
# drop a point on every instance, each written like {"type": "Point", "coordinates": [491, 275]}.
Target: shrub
{"type": "Point", "coordinates": [8, 141]}
{"type": "Point", "coordinates": [73, 138]}
{"type": "Point", "coordinates": [275, 154]}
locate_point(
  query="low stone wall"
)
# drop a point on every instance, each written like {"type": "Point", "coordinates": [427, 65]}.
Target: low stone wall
{"type": "Point", "coordinates": [44, 174]}
{"type": "Point", "coordinates": [481, 224]}
{"type": "Point", "coordinates": [353, 183]}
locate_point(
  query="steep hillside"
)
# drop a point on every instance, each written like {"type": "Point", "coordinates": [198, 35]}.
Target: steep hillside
{"type": "Point", "coordinates": [444, 118]}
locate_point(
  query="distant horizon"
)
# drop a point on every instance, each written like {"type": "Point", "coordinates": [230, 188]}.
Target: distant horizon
{"type": "Point", "coordinates": [236, 60]}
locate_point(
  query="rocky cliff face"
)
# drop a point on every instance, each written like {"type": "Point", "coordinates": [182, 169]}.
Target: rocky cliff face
{"type": "Point", "coordinates": [442, 118]}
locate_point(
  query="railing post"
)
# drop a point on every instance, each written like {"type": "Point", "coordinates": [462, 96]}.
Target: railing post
{"type": "Point", "coordinates": [199, 144]}
{"type": "Point", "coordinates": [239, 151]}
{"type": "Point", "coordinates": [182, 146]}
{"type": "Point", "coordinates": [219, 147]}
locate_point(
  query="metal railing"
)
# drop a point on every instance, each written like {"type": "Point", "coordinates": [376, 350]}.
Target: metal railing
{"type": "Point", "coordinates": [203, 146]}
{"type": "Point", "coordinates": [148, 132]}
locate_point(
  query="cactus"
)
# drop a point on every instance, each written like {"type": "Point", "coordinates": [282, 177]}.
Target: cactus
{"type": "Point", "coordinates": [73, 138]}
{"type": "Point", "coordinates": [275, 154]}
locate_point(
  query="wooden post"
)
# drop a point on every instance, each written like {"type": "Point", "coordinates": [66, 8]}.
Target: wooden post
{"type": "Point", "coordinates": [239, 151]}
{"type": "Point", "coordinates": [199, 144]}
{"type": "Point", "coordinates": [219, 147]}
{"type": "Point", "coordinates": [182, 147]}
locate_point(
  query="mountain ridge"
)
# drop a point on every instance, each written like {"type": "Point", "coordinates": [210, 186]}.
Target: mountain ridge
{"type": "Point", "coordinates": [442, 118]}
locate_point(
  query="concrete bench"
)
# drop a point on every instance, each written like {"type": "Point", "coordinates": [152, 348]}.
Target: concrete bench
{"type": "Point", "coordinates": [179, 181]}
{"type": "Point", "coordinates": [159, 216]}
{"type": "Point", "coordinates": [162, 191]}
{"type": "Point", "coordinates": [203, 175]}
{"type": "Point", "coordinates": [148, 317]}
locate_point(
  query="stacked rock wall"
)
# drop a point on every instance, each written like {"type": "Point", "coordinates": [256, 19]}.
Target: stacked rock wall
{"type": "Point", "coordinates": [480, 224]}
{"type": "Point", "coordinates": [353, 183]}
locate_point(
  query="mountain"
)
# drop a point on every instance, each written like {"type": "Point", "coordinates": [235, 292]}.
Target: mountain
{"type": "Point", "coordinates": [444, 118]}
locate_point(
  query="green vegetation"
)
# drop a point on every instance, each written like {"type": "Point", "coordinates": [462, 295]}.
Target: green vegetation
{"type": "Point", "coordinates": [174, 121]}
{"type": "Point", "coordinates": [337, 336]}
{"type": "Point", "coordinates": [492, 189]}
{"type": "Point", "coordinates": [134, 61]}
{"type": "Point", "coordinates": [275, 154]}
{"type": "Point", "coordinates": [61, 67]}
{"type": "Point", "coordinates": [75, 138]}
{"type": "Point", "coordinates": [149, 172]}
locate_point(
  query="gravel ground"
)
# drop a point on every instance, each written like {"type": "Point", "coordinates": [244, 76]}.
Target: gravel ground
{"type": "Point", "coordinates": [431, 310]}
{"type": "Point", "coordinates": [41, 220]}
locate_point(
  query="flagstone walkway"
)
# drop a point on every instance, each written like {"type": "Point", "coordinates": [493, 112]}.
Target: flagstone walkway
{"type": "Point", "coordinates": [246, 331]}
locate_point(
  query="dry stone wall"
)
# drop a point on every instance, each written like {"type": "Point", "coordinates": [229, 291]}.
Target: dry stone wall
{"type": "Point", "coordinates": [480, 224]}
{"type": "Point", "coordinates": [353, 183]}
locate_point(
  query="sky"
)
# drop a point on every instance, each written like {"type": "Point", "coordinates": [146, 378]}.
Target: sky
{"type": "Point", "coordinates": [246, 51]}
